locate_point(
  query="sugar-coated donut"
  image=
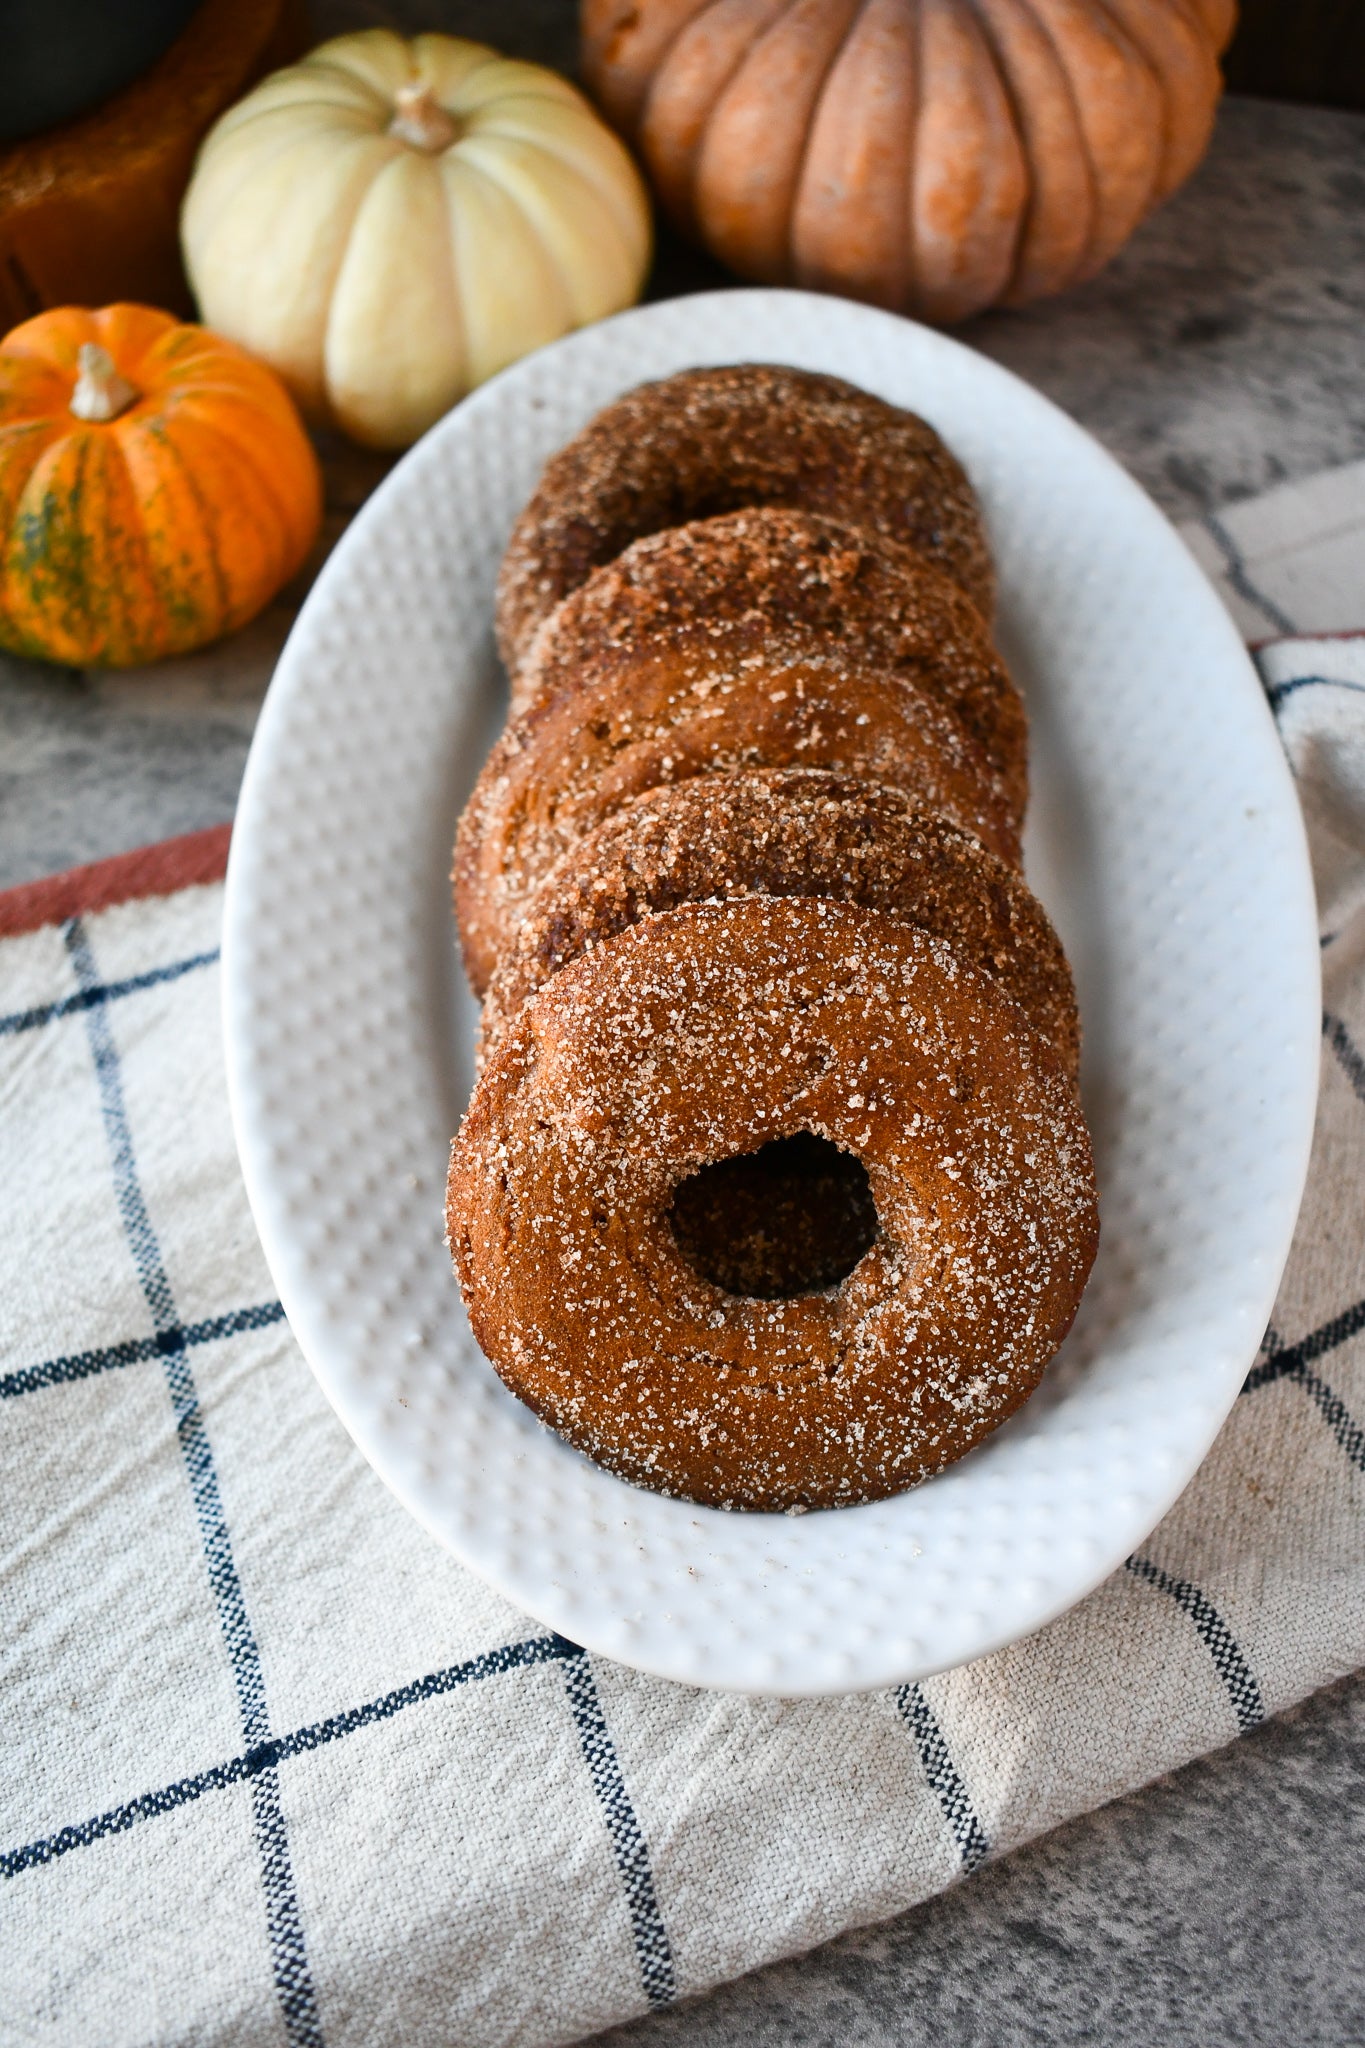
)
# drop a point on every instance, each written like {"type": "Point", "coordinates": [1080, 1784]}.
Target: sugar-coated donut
{"type": "Point", "coordinates": [770, 579]}
{"type": "Point", "coordinates": [707, 709]}
{"type": "Point", "coordinates": [709, 441]}
{"type": "Point", "coordinates": [792, 832]}
{"type": "Point", "coordinates": [703, 1033]}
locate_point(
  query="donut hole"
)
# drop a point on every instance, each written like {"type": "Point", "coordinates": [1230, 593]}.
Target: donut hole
{"type": "Point", "coordinates": [793, 1218]}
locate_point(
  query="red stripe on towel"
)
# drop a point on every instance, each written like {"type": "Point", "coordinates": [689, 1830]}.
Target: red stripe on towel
{"type": "Point", "coordinates": [147, 871]}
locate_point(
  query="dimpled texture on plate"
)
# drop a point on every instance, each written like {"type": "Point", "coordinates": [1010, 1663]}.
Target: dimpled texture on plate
{"type": "Point", "coordinates": [1164, 838]}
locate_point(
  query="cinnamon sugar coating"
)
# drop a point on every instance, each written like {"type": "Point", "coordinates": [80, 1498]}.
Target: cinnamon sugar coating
{"type": "Point", "coordinates": [701, 1034]}
{"type": "Point", "coordinates": [705, 709]}
{"type": "Point", "coordinates": [792, 832]}
{"type": "Point", "coordinates": [714, 440]}
{"type": "Point", "coordinates": [795, 583]}
{"type": "Point", "coordinates": [774, 1190]}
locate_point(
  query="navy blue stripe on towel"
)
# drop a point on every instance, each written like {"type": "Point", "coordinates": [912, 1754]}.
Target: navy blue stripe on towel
{"type": "Point", "coordinates": [292, 1980]}
{"type": "Point", "coordinates": [1239, 576]}
{"type": "Point", "coordinates": [1216, 1636]}
{"type": "Point", "coordinates": [1278, 692]}
{"type": "Point", "coordinates": [973, 1843]}
{"type": "Point", "coordinates": [91, 994]}
{"type": "Point", "coordinates": [652, 1947]}
{"type": "Point", "coordinates": [84, 1365]}
{"type": "Point", "coordinates": [265, 1758]}
{"type": "Point", "coordinates": [1285, 1360]}
{"type": "Point", "coordinates": [1291, 1362]}
{"type": "Point", "coordinates": [1347, 1052]}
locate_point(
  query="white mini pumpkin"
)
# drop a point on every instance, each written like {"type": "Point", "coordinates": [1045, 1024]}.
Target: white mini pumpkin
{"type": "Point", "coordinates": [389, 222]}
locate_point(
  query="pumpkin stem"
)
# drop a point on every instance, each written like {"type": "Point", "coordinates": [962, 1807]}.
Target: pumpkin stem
{"type": "Point", "coordinates": [101, 392]}
{"type": "Point", "coordinates": [420, 119]}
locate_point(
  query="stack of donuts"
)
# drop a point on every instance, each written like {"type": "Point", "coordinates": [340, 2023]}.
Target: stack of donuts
{"type": "Point", "coordinates": [774, 1191]}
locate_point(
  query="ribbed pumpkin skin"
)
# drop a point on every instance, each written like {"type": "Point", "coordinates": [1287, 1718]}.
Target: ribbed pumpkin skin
{"type": "Point", "coordinates": [382, 279]}
{"type": "Point", "coordinates": [125, 540]}
{"type": "Point", "coordinates": [932, 156]}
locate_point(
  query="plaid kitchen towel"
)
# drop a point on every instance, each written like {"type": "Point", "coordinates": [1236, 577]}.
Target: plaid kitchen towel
{"type": "Point", "coordinates": [275, 1769]}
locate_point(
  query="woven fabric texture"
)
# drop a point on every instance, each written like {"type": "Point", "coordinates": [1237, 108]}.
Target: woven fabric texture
{"type": "Point", "coordinates": [275, 1769]}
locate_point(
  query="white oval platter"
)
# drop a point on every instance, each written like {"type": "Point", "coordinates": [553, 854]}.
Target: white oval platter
{"type": "Point", "coordinates": [1164, 837]}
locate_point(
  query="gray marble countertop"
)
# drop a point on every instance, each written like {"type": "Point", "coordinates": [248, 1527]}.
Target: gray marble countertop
{"type": "Point", "coordinates": [1223, 351]}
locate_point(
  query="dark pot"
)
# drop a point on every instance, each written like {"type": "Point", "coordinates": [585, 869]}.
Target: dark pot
{"type": "Point", "coordinates": [62, 56]}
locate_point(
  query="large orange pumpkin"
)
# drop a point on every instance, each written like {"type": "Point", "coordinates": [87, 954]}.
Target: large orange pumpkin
{"type": "Point", "coordinates": [156, 487]}
{"type": "Point", "coordinates": [934, 156]}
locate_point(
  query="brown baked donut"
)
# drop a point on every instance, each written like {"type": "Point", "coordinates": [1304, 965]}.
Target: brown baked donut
{"type": "Point", "coordinates": [773, 579]}
{"type": "Point", "coordinates": [576, 757]}
{"type": "Point", "coordinates": [709, 441]}
{"type": "Point", "coordinates": [792, 832]}
{"type": "Point", "coordinates": [704, 1033]}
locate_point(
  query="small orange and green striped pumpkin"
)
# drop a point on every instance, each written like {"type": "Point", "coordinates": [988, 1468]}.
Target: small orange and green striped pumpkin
{"type": "Point", "coordinates": [156, 487]}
